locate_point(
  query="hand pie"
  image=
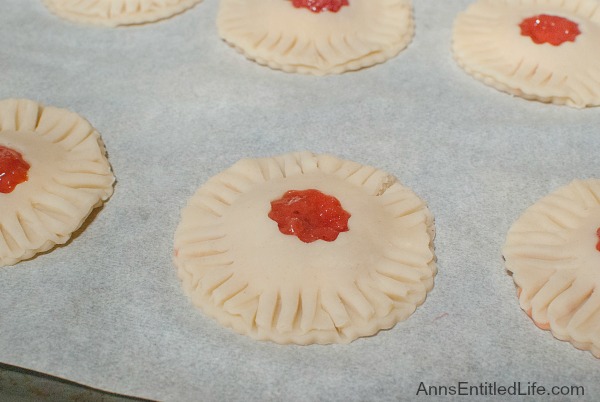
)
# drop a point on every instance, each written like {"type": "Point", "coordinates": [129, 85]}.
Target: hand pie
{"type": "Point", "coordinates": [305, 248]}
{"type": "Point", "coordinates": [553, 251]}
{"type": "Point", "coordinates": [53, 173]}
{"type": "Point", "coordinates": [118, 12]}
{"type": "Point", "coordinates": [542, 50]}
{"type": "Point", "coordinates": [317, 37]}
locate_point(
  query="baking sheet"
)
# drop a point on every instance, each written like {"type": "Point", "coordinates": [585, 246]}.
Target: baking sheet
{"type": "Point", "coordinates": [175, 106]}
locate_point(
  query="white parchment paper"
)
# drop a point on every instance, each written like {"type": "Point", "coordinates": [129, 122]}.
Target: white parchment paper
{"type": "Point", "coordinates": [175, 105]}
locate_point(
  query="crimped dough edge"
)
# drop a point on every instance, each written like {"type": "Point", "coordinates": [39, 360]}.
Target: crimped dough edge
{"type": "Point", "coordinates": [113, 13]}
{"type": "Point", "coordinates": [551, 252]}
{"type": "Point", "coordinates": [487, 44]}
{"type": "Point", "coordinates": [69, 177]}
{"type": "Point", "coordinates": [299, 41]}
{"type": "Point", "coordinates": [295, 308]}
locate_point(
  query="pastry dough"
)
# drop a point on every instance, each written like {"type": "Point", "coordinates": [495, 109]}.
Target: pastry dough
{"type": "Point", "coordinates": [68, 177]}
{"type": "Point", "coordinates": [239, 268]}
{"type": "Point", "coordinates": [118, 12]}
{"type": "Point", "coordinates": [489, 45]}
{"type": "Point", "coordinates": [553, 252]}
{"type": "Point", "coordinates": [276, 34]}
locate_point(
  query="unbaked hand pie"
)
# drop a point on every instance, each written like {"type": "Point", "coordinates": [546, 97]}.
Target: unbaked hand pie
{"type": "Point", "coordinates": [305, 248]}
{"type": "Point", "coordinates": [118, 12]}
{"type": "Point", "coordinates": [542, 50]}
{"type": "Point", "coordinates": [317, 36]}
{"type": "Point", "coordinates": [53, 173]}
{"type": "Point", "coordinates": [553, 251]}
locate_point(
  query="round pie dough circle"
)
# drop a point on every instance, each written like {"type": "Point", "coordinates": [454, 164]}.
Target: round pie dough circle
{"type": "Point", "coordinates": [551, 251]}
{"type": "Point", "coordinates": [238, 268]}
{"type": "Point", "coordinates": [487, 43]}
{"type": "Point", "coordinates": [69, 176]}
{"type": "Point", "coordinates": [118, 12]}
{"type": "Point", "coordinates": [276, 34]}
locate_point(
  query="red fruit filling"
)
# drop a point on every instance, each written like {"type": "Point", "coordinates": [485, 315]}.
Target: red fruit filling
{"type": "Point", "coordinates": [316, 6]}
{"type": "Point", "coordinates": [13, 169]}
{"type": "Point", "coordinates": [310, 215]}
{"type": "Point", "coordinates": [551, 29]}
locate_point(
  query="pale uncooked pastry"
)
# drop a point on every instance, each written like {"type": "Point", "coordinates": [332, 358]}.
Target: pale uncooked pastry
{"type": "Point", "coordinates": [238, 267]}
{"type": "Point", "coordinates": [488, 44]}
{"type": "Point", "coordinates": [552, 251]}
{"type": "Point", "coordinates": [68, 177]}
{"type": "Point", "coordinates": [118, 12]}
{"type": "Point", "coordinates": [276, 34]}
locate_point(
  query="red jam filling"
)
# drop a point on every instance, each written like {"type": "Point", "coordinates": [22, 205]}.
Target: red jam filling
{"type": "Point", "coordinates": [310, 215]}
{"type": "Point", "coordinates": [13, 169]}
{"type": "Point", "coordinates": [551, 29]}
{"type": "Point", "coordinates": [316, 6]}
{"type": "Point", "coordinates": [598, 234]}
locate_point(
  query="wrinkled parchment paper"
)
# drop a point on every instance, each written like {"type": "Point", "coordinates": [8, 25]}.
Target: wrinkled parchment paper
{"type": "Point", "coordinates": [175, 105]}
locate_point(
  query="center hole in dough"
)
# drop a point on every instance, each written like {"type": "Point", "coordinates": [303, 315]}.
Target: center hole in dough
{"type": "Point", "coordinates": [317, 6]}
{"type": "Point", "coordinates": [310, 215]}
{"type": "Point", "coordinates": [13, 169]}
{"type": "Point", "coordinates": [550, 29]}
